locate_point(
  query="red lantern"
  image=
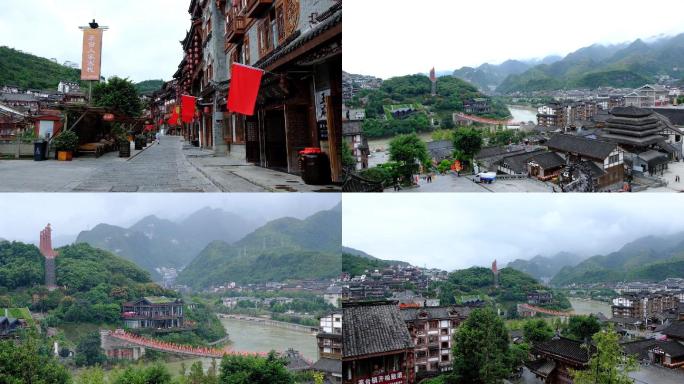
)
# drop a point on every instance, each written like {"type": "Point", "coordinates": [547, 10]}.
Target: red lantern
{"type": "Point", "coordinates": [207, 110]}
{"type": "Point", "coordinates": [108, 117]}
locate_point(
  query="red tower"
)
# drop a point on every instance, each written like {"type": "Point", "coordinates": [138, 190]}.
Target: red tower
{"type": "Point", "coordinates": [495, 271]}
{"type": "Point", "coordinates": [433, 78]}
{"type": "Point", "coordinates": [50, 255]}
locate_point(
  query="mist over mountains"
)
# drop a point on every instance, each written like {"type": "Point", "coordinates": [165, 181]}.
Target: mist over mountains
{"type": "Point", "coordinates": [629, 65]}
{"type": "Point", "coordinates": [153, 242]}
{"type": "Point", "coordinates": [286, 248]}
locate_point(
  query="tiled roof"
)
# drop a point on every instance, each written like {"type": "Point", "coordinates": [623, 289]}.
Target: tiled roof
{"type": "Point", "coordinates": [675, 330]}
{"type": "Point", "coordinates": [411, 314]}
{"type": "Point", "coordinates": [566, 348]}
{"type": "Point", "coordinates": [372, 328]}
{"type": "Point", "coordinates": [548, 160]}
{"type": "Point", "coordinates": [675, 115]}
{"type": "Point", "coordinates": [673, 348]}
{"type": "Point", "coordinates": [639, 348]}
{"type": "Point", "coordinates": [327, 365]}
{"type": "Point", "coordinates": [596, 149]}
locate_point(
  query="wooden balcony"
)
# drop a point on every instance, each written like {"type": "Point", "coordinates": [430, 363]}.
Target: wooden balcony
{"type": "Point", "coordinates": [236, 28]}
{"type": "Point", "coordinates": [256, 8]}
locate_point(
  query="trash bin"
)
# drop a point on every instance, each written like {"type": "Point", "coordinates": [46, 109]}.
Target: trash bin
{"type": "Point", "coordinates": [315, 166]}
{"type": "Point", "coordinates": [40, 150]}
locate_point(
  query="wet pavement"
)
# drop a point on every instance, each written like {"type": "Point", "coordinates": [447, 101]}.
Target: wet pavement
{"type": "Point", "coordinates": [169, 166]}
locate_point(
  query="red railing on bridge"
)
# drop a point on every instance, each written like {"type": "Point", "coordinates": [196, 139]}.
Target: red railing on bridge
{"type": "Point", "coordinates": [483, 120]}
{"type": "Point", "coordinates": [176, 348]}
{"type": "Point", "coordinates": [545, 311]}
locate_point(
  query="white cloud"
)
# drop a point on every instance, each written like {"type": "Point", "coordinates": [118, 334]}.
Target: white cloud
{"type": "Point", "coordinates": [142, 43]}
{"type": "Point", "coordinates": [453, 231]}
{"type": "Point", "coordinates": [397, 37]}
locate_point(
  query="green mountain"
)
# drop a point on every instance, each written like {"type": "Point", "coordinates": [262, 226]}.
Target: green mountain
{"type": "Point", "coordinates": [622, 65]}
{"type": "Point", "coordinates": [544, 268]}
{"type": "Point", "coordinates": [149, 86]}
{"type": "Point", "coordinates": [93, 283]}
{"type": "Point", "coordinates": [356, 262]}
{"type": "Point", "coordinates": [153, 243]}
{"type": "Point", "coordinates": [283, 249]}
{"type": "Point", "coordinates": [488, 76]}
{"type": "Point", "coordinates": [29, 71]}
{"type": "Point", "coordinates": [477, 281]}
{"type": "Point", "coordinates": [650, 258]}
{"type": "Point", "coordinates": [417, 89]}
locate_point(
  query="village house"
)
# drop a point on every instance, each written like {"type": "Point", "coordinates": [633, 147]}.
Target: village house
{"type": "Point", "coordinates": [432, 330]}
{"type": "Point", "coordinates": [8, 326]}
{"type": "Point", "coordinates": [333, 295]}
{"type": "Point", "coordinates": [539, 297]}
{"type": "Point", "coordinates": [377, 345]}
{"type": "Point", "coordinates": [477, 106]}
{"type": "Point", "coordinates": [554, 360]}
{"type": "Point", "coordinates": [648, 96]}
{"type": "Point", "coordinates": [353, 136]}
{"type": "Point", "coordinates": [330, 347]}
{"type": "Point", "coordinates": [153, 312]}
{"type": "Point", "coordinates": [605, 160]}
{"type": "Point", "coordinates": [553, 115]}
{"type": "Point", "coordinates": [298, 43]}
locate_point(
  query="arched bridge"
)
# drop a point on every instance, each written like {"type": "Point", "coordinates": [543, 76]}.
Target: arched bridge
{"type": "Point", "coordinates": [551, 312]}
{"type": "Point", "coordinates": [162, 346]}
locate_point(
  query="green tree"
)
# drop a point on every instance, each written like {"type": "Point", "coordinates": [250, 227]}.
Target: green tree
{"type": "Point", "coordinates": [118, 94]}
{"type": "Point", "coordinates": [93, 375]}
{"type": "Point", "coordinates": [444, 166]}
{"type": "Point", "coordinates": [409, 151]}
{"type": "Point", "coordinates": [608, 364]}
{"type": "Point", "coordinates": [88, 351]}
{"type": "Point", "coordinates": [520, 354]}
{"type": "Point", "coordinates": [347, 156]}
{"type": "Point", "coordinates": [467, 143]}
{"type": "Point", "coordinates": [583, 327]}
{"type": "Point", "coordinates": [250, 370]}
{"type": "Point", "coordinates": [537, 331]}
{"type": "Point", "coordinates": [481, 349]}
{"type": "Point", "coordinates": [30, 361]}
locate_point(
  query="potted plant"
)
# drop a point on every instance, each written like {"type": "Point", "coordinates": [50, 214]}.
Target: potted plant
{"type": "Point", "coordinates": [122, 142]}
{"type": "Point", "coordinates": [65, 145]}
{"type": "Point", "coordinates": [140, 142]}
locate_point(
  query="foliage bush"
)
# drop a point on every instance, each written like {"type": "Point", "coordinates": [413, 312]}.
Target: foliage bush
{"type": "Point", "coordinates": [66, 141]}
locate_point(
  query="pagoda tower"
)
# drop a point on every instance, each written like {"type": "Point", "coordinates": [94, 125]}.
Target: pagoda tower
{"type": "Point", "coordinates": [49, 254]}
{"type": "Point", "coordinates": [433, 79]}
{"type": "Point", "coordinates": [495, 271]}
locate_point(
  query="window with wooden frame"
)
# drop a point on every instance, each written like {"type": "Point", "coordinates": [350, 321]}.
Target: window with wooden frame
{"type": "Point", "coordinates": [265, 41]}
{"type": "Point", "coordinates": [245, 51]}
{"type": "Point", "coordinates": [280, 22]}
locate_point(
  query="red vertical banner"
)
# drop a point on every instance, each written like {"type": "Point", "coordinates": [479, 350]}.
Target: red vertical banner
{"type": "Point", "coordinates": [244, 88]}
{"type": "Point", "coordinates": [187, 108]}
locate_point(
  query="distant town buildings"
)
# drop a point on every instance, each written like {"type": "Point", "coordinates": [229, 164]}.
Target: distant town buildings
{"type": "Point", "coordinates": [643, 306]}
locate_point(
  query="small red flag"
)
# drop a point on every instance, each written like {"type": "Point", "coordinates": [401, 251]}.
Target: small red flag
{"type": "Point", "coordinates": [188, 108]}
{"type": "Point", "coordinates": [244, 88]}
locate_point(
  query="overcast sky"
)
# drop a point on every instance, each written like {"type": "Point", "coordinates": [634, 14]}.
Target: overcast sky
{"type": "Point", "coordinates": [388, 38]}
{"type": "Point", "coordinates": [143, 42]}
{"type": "Point", "coordinates": [455, 231]}
{"type": "Point", "coordinates": [22, 216]}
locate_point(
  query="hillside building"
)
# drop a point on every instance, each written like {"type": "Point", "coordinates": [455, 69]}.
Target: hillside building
{"type": "Point", "coordinates": [153, 312]}
{"type": "Point", "coordinates": [643, 306]}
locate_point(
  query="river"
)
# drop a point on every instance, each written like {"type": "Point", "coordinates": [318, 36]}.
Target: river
{"type": "Point", "coordinates": [256, 337]}
{"type": "Point", "coordinates": [523, 113]}
{"type": "Point", "coordinates": [588, 307]}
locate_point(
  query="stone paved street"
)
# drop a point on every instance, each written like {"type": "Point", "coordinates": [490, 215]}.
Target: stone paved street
{"type": "Point", "coordinates": [452, 183]}
{"type": "Point", "coordinates": [163, 167]}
